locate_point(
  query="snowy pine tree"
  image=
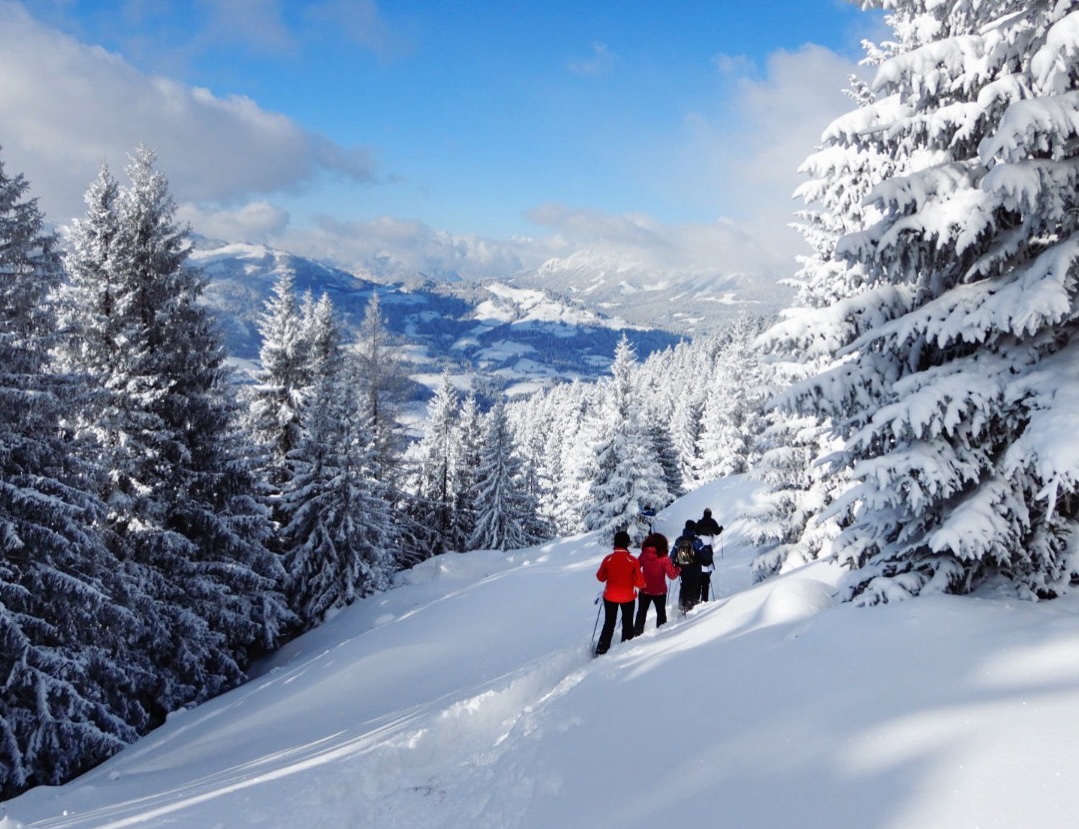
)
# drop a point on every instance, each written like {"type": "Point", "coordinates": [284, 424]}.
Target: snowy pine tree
{"type": "Point", "coordinates": [472, 442]}
{"type": "Point", "coordinates": [626, 475]}
{"type": "Point", "coordinates": [65, 704]}
{"type": "Point", "coordinates": [338, 536]}
{"type": "Point", "coordinates": [954, 383]}
{"type": "Point", "coordinates": [273, 417]}
{"type": "Point", "coordinates": [182, 512]}
{"type": "Point", "coordinates": [435, 487]}
{"type": "Point", "coordinates": [732, 420]}
{"type": "Point", "coordinates": [506, 513]}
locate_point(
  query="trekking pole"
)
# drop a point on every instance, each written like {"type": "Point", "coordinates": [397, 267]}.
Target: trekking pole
{"type": "Point", "coordinates": [595, 627]}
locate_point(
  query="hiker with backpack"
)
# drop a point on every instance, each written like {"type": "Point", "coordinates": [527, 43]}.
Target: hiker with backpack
{"type": "Point", "coordinates": [687, 559]}
{"type": "Point", "coordinates": [647, 517]}
{"type": "Point", "coordinates": [657, 567]}
{"type": "Point", "coordinates": [622, 572]}
{"type": "Point", "coordinates": [707, 530]}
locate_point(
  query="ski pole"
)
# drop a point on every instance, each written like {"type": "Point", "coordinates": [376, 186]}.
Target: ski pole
{"type": "Point", "coordinates": [595, 627]}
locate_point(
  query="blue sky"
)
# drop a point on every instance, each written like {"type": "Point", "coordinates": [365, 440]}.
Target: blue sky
{"type": "Point", "coordinates": [431, 125]}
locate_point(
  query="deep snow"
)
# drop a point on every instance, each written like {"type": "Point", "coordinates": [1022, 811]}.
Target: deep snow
{"type": "Point", "coordinates": [467, 697]}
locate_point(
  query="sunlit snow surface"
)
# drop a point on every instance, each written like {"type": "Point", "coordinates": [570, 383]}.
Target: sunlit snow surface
{"type": "Point", "coordinates": [467, 697]}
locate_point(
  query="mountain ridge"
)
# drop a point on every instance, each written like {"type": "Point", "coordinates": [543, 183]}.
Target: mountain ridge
{"type": "Point", "coordinates": [558, 324]}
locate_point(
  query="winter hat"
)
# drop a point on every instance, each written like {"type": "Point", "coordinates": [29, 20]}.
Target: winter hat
{"type": "Point", "coordinates": [621, 539]}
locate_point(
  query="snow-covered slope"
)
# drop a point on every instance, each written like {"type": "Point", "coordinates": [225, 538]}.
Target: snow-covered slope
{"type": "Point", "coordinates": [466, 697]}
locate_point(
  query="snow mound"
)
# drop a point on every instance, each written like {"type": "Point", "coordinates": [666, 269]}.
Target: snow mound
{"type": "Point", "coordinates": [795, 600]}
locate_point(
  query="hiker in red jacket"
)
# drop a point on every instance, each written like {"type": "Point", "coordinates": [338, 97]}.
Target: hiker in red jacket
{"type": "Point", "coordinates": [622, 572]}
{"type": "Point", "coordinates": [657, 567]}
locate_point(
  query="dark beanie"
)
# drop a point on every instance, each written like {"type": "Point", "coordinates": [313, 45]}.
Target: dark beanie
{"type": "Point", "coordinates": [621, 539]}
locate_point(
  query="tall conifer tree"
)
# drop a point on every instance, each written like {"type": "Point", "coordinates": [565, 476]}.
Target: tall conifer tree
{"type": "Point", "coordinates": [954, 384]}
{"type": "Point", "coordinates": [180, 497]}
{"type": "Point", "coordinates": [65, 704]}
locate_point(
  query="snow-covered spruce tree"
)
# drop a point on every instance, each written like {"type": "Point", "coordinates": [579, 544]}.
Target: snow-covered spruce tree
{"type": "Point", "coordinates": [537, 475]}
{"type": "Point", "coordinates": [626, 474]}
{"type": "Point", "coordinates": [733, 420]}
{"type": "Point", "coordinates": [507, 516]}
{"type": "Point", "coordinates": [435, 462]}
{"type": "Point", "coordinates": [676, 387]}
{"type": "Point", "coordinates": [666, 455]}
{"type": "Point", "coordinates": [62, 709]}
{"type": "Point", "coordinates": [472, 437]}
{"type": "Point", "coordinates": [181, 507]}
{"type": "Point", "coordinates": [384, 380]}
{"type": "Point", "coordinates": [273, 417]}
{"type": "Point", "coordinates": [548, 428]}
{"type": "Point", "coordinates": [956, 387]}
{"type": "Point", "coordinates": [384, 385]}
{"type": "Point", "coordinates": [338, 533]}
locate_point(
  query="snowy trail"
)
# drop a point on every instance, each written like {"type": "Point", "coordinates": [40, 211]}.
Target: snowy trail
{"type": "Point", "coordinates": [382, 698]}
{"type": "Point", "coordinates": [467, 699]}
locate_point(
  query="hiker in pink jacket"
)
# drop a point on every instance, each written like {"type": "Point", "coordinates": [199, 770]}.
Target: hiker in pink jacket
{"type": "Point", "coordinates": [657, 567]}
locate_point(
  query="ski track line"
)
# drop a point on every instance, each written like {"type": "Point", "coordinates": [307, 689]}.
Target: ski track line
{"type": "Point", "coordinates": [467, 735]}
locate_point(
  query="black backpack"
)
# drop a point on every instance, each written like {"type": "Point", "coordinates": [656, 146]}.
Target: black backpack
{"type": "Point", "coordinates": [684, 554]}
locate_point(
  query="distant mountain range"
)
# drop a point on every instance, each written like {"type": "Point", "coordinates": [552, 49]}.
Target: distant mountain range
{"type": "Point", "coordinates": [560, 323]}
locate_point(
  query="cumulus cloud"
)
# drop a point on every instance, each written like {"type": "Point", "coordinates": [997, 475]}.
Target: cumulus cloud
{"type": "Point", "coordinates": [257, 221]}
{"type": "Point", "coordinates": [784, 114]}
{"type": "Point", "coordinates": [743, 157]}
{"type": "Point", "coordinates": [66, 107]}
{"type": "Point", "coordinates": [721, 245]}
{"type": "Point", "coordinates": [390, 247]}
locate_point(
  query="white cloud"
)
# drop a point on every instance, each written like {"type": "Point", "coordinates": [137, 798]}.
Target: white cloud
{"type": "Point", "coordinates": [666, 248]}
{"type": "Point", "coordinates": [394, 247]}
{"type": "Point", "coordinates": [391, 248]}
{"type": "Point", "coordinates": [255, 24]}
{"type": "Point", "coordinates": [742, 158]}
{"type": "Point", "coordinates": [256, 221]}
{"type": "Point", "coordinates": [784, 115]}
{"type": "Point", "coordinates": [601, 62]}
{"type": "Point", "coordinates": [362, 22]}
{"type": "Point", "coordinates": [66, 107]}
{"type": "Point", "coordinates": [733, 64]}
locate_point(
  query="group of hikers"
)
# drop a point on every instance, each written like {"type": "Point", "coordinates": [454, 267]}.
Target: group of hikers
{"type": "Point", "coordinates": [635, 583]}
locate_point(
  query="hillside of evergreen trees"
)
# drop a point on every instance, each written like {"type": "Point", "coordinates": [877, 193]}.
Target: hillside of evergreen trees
{"type": "Point", "coordinates": [913, 416]}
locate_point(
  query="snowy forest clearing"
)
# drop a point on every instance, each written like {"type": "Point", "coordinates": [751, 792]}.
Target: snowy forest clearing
{"type": "Point", "coordinates": [466, 697]}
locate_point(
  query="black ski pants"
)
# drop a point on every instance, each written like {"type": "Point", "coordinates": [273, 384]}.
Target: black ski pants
{"type": "Point", "coordinates": [643, 601]}
{"type": "Point", "coordinates": [706, 586]}
{"type": "Point", "coordinates": [610, 616]}
{"type": "Point", "coordinates": [689, 591]}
